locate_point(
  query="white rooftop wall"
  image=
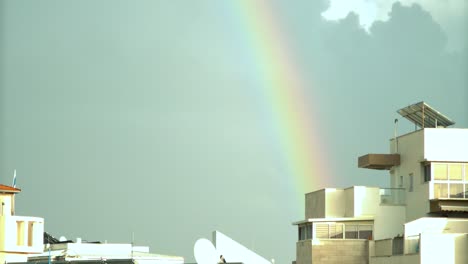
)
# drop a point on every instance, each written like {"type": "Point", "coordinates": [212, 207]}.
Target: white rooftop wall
{"type": "Point", "coordinates": [446, 144]}
{"type": "Point", "coordinates": [334, 203]}
{"type": "Point", "coordinates": [436, 225]}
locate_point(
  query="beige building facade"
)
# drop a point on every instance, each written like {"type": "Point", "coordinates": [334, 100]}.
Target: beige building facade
{"type": "Point", "coordinates": [421, 218]}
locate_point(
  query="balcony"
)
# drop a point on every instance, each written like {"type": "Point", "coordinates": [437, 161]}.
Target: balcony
{"type": "Point", "coordinates": [392, 196]}
{"type": "Point", "coordinates": [379, 161]}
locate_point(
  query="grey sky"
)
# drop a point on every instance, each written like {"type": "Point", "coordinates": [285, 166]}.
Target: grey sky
{"type": "Point", "coordinates": [139, 116]}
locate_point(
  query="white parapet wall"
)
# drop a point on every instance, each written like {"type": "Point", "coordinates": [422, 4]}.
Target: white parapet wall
{"type": "Point", "coordinates": [447, 144]}
{"type": "Point", "coordinates": [21, 234]}
{"type": "Point", "coordinates": [444, 248]}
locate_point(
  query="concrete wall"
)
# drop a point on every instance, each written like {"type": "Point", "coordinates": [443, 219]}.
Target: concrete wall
{"type": "Point", "coordinates": [366, 200]}
{"type": "Point", "coordinates": [446, 144]}
{"type": "Point", "coordinates": [411, 150]}
{"type": "Point", "coordinates": [332, 251]}
{"type": "Point", "coordinates": [329, 202]}
{"type": "Point", "coordinates": [383, 247]}
{"type": "Point", "coordinates": [443, 240]}
{"type": "Point", "coordinates": [401, 259]}
{"type": "Point", "coordinates": [349, 203]}
{"type": "Point", "coordinates": [340, 251]}
{"type": "Point", "coordinates": [334, 202]}
{"type": "Point", "coordinates": [461, 244]}
{"type": "Point", "coordinates": [6, 204]}
{"type": "Point", "coordinates": [389, 221]}
{"type": "Point", "coordinates": [361, 201]}
{"type": "Point", "coordinates": [315, 204]}
{"type": "Point", "coordinates": [304, 252]}
{"type": "Point", "coordinates": [443, 248]}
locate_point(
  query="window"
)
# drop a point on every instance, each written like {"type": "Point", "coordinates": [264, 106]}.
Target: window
{"type": "Point", "coordinates": [302, 232]}
{"type": "Point", "coordinates": [401, 182]}
{"type": "Point", "coordinates": [30, 234]}
{"type": "Point", "coordinates": [336, 231]}
{"type": "Point", "coordinates": [456, 190]}
{"type": "Point", "coordinates": [450, 181]}
{"type": "Point", "coordinates": [343, 231]}
{"type": "Point", "coordinates": [305, 232]}
{"type": "Point", "coordinates": [309, 231]}
{"type": "Point", "coordinates": [440, 190]}
{"type": "Point", "coordinates": [20, 233]}
{"type": "Point", "coordinates": [455, 172]}
{"type": "Point", "coordinates": [321, 230]}
{"type": "Point", "coordinates": [365, 232]}
{"type": "Point", "coordinates": [440, 171]}
{"type": "Point", "coordinates": [427, 172]}
{"type": "Point", "coordinates": [351, 231]}
{"type": "Point", "coordinates": [411, 181]}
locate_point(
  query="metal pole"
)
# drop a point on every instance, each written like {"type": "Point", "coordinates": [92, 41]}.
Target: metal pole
{"type": "Point", "coordinates": [423, 116]}
{"type": "Point", "coordinates": [48, 245]}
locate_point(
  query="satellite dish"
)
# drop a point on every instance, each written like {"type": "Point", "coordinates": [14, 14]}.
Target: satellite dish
{"type": "Point", "coordinates": [63, 239]}
{"type": "Point", "coordinates": [205, 252]}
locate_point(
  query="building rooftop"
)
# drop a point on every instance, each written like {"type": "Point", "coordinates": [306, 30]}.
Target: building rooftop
{"type": "Point", "coordinates": [8, 189]}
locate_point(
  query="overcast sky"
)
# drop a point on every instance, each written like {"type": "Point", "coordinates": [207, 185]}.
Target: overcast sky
{"type": "Point", "coordinates": [146, 116]}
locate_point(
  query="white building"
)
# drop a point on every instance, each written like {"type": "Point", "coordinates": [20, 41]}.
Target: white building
{"type": "Point", "coordinates": [84, 252]}
{"type": "Point", "coordinates": [421, 218]}
{"type": "Point", "coordinates": [19, 235]}
{"type": "Point", "coordinates": [22, 241]}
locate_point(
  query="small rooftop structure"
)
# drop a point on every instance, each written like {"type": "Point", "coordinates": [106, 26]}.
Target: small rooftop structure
{"type": "Point", "coordinates": [423, 115]}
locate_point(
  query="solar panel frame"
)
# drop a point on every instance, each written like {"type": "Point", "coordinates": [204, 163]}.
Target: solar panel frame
{"type": "Point", "coordinates": [425, 116]}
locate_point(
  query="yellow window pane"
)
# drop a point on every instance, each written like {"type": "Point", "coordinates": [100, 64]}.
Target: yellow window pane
{"type": "Point", "coordinates": [456, 190]}
{"type": "Point", "coordinates": [440, 171]}
{"type": "Point", "coordinates": [440, 190]}
{"type": "Point", "coordinates": [455, 172]}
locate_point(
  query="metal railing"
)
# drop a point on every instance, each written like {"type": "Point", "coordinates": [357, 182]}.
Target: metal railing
{"type": "Point", "coordinates": [342, 231]}
{"type": "Point", "coordinates": [392, 196]}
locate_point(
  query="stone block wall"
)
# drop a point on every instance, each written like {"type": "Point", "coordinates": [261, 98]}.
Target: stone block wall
{"type": "Point", "coordinates": [332, 251]}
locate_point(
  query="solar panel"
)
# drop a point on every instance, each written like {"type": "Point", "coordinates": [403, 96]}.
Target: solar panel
{"type": "Point", "coordinates": [423, 115]}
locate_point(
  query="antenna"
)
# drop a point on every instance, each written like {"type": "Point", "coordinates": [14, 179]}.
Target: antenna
{"type": "Point", "coordinates": [14, 178]}
{"type": "Point", "coordinates": [133, 239]}
{"type": "Point", "coordinates": [395, 133]}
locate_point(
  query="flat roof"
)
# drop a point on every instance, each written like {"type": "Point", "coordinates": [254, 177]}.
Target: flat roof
{"type": "Point", "coordinates": [335, 219]}
{"type": "Point", "coordinates": [8, 189]}
{"type": "Point", "coordinates": [423, 115]}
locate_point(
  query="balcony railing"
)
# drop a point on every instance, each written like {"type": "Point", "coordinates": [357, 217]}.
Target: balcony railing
{"type": "Point", "coordinates": [392, 196]}
{"type": "Point", "coordinates": [342, 231]}
{"type": "Point", "coordinates": [412, 244]}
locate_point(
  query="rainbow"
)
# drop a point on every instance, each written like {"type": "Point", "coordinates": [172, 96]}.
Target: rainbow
{"type": "Point", "coordinates": [290, 115]}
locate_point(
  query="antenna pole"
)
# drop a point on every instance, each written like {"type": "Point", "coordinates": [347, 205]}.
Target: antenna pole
{"type": "Point", "coordinates": [133, 239]}
{"type": "Point", "coordinates": [395, 132]}
{"type": "Point", "coordinates": [14, 178]}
